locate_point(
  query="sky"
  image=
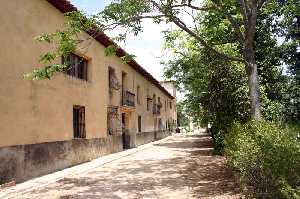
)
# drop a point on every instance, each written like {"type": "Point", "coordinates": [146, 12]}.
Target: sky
{"type": "Point", "coordinates": [147, 46]}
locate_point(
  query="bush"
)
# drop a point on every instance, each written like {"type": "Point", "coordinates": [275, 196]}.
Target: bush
{"type": "Point", "coordinates": [218, 139]}
{"type": "Point", "coordinates": [267, 157]}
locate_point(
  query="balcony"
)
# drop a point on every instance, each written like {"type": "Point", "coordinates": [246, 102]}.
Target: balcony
{"type": "Point", "coordinates": [156, 109]}
{"type": "Point", "coordinates": [128, 99]}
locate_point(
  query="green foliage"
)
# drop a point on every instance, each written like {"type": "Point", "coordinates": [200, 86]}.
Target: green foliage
{"type": "Point", "coordinates": [45, 73]}
{"type": "Point", "coordinates": [110, 50]}
{"type": "Point", "coordinates": [272, 109]}
{"type": "Point", "coordinates": [126, 13]}
{"type": "Point", "coordinates": [127, 58]}
{"type": "Point", "coordinates": [68, 40]}
{"type": "Point", "coordinates": [267, 157]}
{"type": "Point", "coordinates": [216, 90]}
{"type": "Point", "coordinates": [65, 42]}
{"type": "Point", "coordinates": [280, 96]}
{"type": "Point", "coordinates": [182, 115]}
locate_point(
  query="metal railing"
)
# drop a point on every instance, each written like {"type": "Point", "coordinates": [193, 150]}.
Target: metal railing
{"type": "Point", "coordinates": [128, 99]}
{"type": "Point", "coordinates": [156, 109]}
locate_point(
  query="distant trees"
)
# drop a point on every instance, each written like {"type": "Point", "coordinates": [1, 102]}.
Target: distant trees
{"type": "Point", "coordinates": [182, 117]}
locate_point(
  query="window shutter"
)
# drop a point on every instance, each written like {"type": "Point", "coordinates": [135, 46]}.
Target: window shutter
{"type": "Point", "coordinates": [82, 122]}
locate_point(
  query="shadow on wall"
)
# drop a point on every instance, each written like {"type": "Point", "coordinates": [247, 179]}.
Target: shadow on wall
{"type": "Point", "coordinates": [196, 170]}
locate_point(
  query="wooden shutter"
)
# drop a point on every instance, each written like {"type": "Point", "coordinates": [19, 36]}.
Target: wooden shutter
{"type": "Point", "coordinates": [82, 122]}
{"type": "Point", "coordinates": [139, 123]}
{"type": "Point", "coordinates": [76, 122]}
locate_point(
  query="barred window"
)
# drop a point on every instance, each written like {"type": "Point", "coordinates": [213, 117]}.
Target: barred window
{"type": "Point", "coordinates": [77, 66]}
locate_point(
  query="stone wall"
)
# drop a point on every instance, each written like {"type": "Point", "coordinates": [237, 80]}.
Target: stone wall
{"type": "Point", "coordinates": [23, 162]}
{"type": "Point", "coordinates": [146, 137]}
{"type": "Point", "coordinates": [162, 134]}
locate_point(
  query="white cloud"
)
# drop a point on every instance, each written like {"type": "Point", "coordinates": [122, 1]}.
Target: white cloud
{"type": "Point", "coordinates": [147, 47]}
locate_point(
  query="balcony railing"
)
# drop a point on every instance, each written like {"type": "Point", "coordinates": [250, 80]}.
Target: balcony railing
{"type": "Point", "coordinates": [128, 99]}
{"type": "Point", "coordinates": [156, 109]}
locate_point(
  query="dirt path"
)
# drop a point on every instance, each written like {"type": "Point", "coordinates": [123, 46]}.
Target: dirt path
{"type": "Point", "coordinates": [179, 167]}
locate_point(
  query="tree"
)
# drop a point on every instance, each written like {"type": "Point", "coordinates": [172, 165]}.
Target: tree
{"type": "Point", "coordinates": [182, 118]}
{"type": "Point", "coordinates": [290, 30]}
{"type": "Point", "coordinates": [241, 16]}
{"type": "Point", "coordinates": [215, 88]}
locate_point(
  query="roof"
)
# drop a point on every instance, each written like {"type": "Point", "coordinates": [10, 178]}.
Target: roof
{"type": "Point", "coordinates": [65, 6]}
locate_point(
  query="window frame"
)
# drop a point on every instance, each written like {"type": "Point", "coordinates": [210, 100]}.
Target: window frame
{"type": "Point", "coordinates": [139, 123]}
{"type": "Point", "coordinates": [138, 94]}
{"type": "Point", "coordinates": [79, 125]}
{"type": "Point", "coordinates": [78, 67]}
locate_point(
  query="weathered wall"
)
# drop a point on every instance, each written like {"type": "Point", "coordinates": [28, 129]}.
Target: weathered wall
{"type": "Point", "coordinates": [23, 162]}
{"type": "Point", "coordinates": [134, 80]}
{"type": "Point", "coordinates": [41, 111]}
{"type": "Point", "coordinates": [36, 116]}
{"type": "Point", "coordinates": [147, 137]}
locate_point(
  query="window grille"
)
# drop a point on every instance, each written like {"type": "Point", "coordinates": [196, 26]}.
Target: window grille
{"type": "Point", "coordinates": [76, 66]}
{"type": "Point", "coordinates": [79, 121]}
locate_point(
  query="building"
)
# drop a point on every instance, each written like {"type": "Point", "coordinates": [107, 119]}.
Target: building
{"type": "Point", "coordinates": [97, 107]}
{"type": "Point", "coordinates": [171, 88]}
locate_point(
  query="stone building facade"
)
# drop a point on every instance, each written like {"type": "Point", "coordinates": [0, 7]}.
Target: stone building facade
{"type": "Point", "coordinates": [98, 106]}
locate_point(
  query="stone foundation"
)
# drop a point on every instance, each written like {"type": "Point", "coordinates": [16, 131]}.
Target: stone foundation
{"type": "Point", "coordinates": [24, 162]}
{"type": "Point", "coordinates": [162, 134]}
{"type": "Point", "coordinates": [146, 137]}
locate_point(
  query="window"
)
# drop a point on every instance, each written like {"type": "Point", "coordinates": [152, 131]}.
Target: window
{"type": "Point", "coordinates": [139, 123]}
{"type": "Point", "coordinates": [170, 105]}
{"type": "Point", "coordinates": [111, 73]}
{"type": "Point", "coordinates": [138, 93]}
{"type": "Point", "coordinates": [149, 101]}
{"type": "Point", "coordinates": [148, 104]}
{"type": "Point", "coordinates": [165, 105]}
{"type": "Point", "coordinates": [77, 66]}
{"type": "Point", "coordinates": [79, 121]}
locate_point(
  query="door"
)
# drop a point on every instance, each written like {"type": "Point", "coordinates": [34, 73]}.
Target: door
{"type": "Point", "coordinates": [123, 130]}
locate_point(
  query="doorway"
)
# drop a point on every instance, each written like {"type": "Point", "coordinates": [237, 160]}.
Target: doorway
{"type": "Point", "coordinates": [125, 132]}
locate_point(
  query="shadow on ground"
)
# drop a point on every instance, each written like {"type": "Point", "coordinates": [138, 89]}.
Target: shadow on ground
{"type": "Point", "coordinates": [181, 167]}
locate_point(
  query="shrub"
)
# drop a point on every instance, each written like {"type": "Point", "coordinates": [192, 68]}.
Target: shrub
{"type": "Point", "coordinates": [267, 157]}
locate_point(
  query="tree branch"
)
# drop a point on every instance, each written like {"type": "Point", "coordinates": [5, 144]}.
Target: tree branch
{"type": "Point", "coordinates": [244, 11]}
{"type": "Point", "coordinates": [261, 3]}
{"type": "Point", "coordinates": [193, 7]}
{"type": "Point", "coordinates": [183, 26]}
{"type": "Point", "coordinates": [233, 22]}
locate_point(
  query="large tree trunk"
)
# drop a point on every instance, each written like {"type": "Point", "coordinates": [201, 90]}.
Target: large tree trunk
{"type": "Point", "coordinates": [253, 82]}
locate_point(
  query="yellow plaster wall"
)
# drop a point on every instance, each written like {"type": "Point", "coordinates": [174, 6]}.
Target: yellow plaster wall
{"type": "Point", "coordinates": [42, 111]}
